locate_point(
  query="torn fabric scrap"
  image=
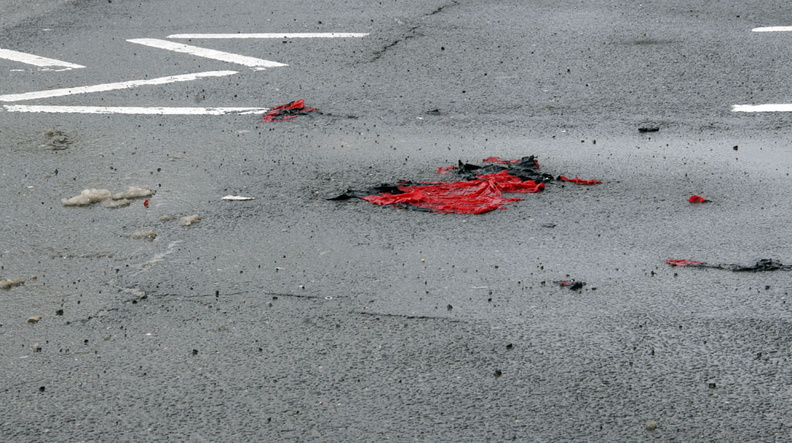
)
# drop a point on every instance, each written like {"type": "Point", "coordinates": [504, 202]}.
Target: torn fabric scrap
{"type": "Point", "coordinates": [579, 181]}
{"type": "Point", "coordinates": [480, 190]}
{"type": "Point", "coordinates": [763, 265]}
{"type": "Point", "coordinates": [683, 263]}
{"type": "Point", "coordinates": [288, 111]}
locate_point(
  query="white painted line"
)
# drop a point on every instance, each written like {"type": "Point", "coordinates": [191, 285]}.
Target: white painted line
{"type": "Point", "coordinates": [763, 108]}
{"type": "Point", "coordinates": [773, 29]}
{"type": "Point", "coordinates": [35, 60]}
{"type": "Point", "coordinates": [133, 110]}
{"type": "Point", "coordinates": [111, 86]}
{"type": "Point", "coordinates": [273, 35]}
{"type": "Point", "coordinates": [255, 63]}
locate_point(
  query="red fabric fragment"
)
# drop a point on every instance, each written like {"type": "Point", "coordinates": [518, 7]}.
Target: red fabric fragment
{"type": "Point", "coordinates": [287, 111]}
{"type": "Point", "coordinates": [697, 199]}
{"type": "Point", "coordinates": [579, 181]}
{"type": "Point", "coordinates": [445, 170]}
{"type": "Point", "coordinates": [465, 197]}
{"type": "Point", "coordinates": [683, 263]}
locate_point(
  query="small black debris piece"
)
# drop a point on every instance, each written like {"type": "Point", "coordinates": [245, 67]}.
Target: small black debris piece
{"type": "Point", "coordinates": [644, 129]}
{"type": "Point", "coordinates": [571, 284]}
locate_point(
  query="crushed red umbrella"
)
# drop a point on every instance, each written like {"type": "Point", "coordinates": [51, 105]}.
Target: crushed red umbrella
{"type": "Point", "coordinates": [765, 264]}
{"type": "Point", "coordinates": [698, 199]}
{"type": "Point", "coordinates": [572, 285]}
{"type": "Point", "coordinates": [481, 190]}
{"type": "Point", "coordinates": [288, 111]}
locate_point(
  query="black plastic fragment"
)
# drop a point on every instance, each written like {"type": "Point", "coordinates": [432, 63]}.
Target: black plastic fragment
{"type": "Point", "coordinates": [644, 129]}
{"type": "Point", "coordinates": [526, 169]}
{"type": "Point", "coordinates": [763, 265]}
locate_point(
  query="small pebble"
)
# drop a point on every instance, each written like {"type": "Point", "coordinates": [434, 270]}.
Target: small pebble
{"type": "Point", "coordinates": [651, 425]}
{"type": "Point", "coordinates": [34, 320]}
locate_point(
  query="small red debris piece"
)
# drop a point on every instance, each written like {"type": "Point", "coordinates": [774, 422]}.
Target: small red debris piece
{"type": "Point", "coordinates": [698, 199]}
{"type": "Point", "coordinates": [683, 263]}
{"type": "Point", "coordinates": [579, 181]}
{"type": "Point", "coordinates": [287, 111]}
{"type": "Point", "coordinates": [146, 203]}
{"type": "Point", "coordinates": [445, 170]}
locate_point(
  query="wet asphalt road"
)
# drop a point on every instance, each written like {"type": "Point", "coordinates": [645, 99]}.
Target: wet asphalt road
{"type": "Point", "coordinates": [290, 317]}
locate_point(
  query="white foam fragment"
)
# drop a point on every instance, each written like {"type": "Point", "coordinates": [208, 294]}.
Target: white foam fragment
{"type": "Point", "coordinates": [237, 198]}
{"type": "Point", "coordinates": [87, 197]}
{"type": "Point", "coordinates": [10, 283]}
{"type": "Point", "coordinates": [134, 192]}
{"type": "Point", "coordinates": [147, 234]}
{"type": "Point", "coordinates": [190, 219]}
{"type": "Point", "coordinates": [114, 204]}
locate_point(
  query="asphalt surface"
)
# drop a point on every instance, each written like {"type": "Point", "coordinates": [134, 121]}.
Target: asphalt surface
{"type": "Point", "coordinates": [291, 317]}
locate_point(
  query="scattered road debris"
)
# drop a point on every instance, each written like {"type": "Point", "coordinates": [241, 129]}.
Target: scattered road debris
{"type": "Point", "coordinates": [237, 198]}
{"type": "Point", "coordinates": [56, 140]}
{"type": "Point", "coordinates": [288, 111]}
{"type": "Point", "coordinates": [765, 264]}
{"type": "Point", "coordinates": [644, 129]}
{"type": "Point", "coordinates": [571, 284]}
{"type": "Point", "coordinates": [189, 220]}
{"type": "Point", "coordinates": [698, 199]}
{"type": "Point", "coordinates": [482, 191]}
{"type": "Point", "coordinates": [34, 320]}
{"type": "Point", "coordinates": [146, 203]}
{"type": "Point", "coordinates": [10, 283]}
{"type": "Point", "coordinates": [91, 196]}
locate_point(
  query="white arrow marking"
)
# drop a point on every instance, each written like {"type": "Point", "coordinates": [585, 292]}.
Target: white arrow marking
{"type": "Point", "coordinates": [255, 63]}
{"type": "Point", "coordinates": [273, 35]}
{"type": "Point", "coordinates": [35, 60]}
{"type": "Point", "coordinates": [111, 86]}
{"type": "Point", "coordinates": [763, 108]}
{"type": "Point", "coordinates": [773, 29]}
{"type": "Point", "coordinates": [132, 110]}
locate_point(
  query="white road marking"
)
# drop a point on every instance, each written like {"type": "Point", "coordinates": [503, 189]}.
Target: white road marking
{"type": "Point", "coordinates": [35, 60]}
{"type": "Point", "coordinates": [111, 86]}
{"type": "Point", "coordinates": [273, 35]}
{"type": "Point", "coordinates": [255, 63]}
{"type": "Point", "coordinates": [133, 110]}
{"type": "Point", "coordinates": [773, 29]}
{"type": "Point", "coordinates": [781, 107]}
